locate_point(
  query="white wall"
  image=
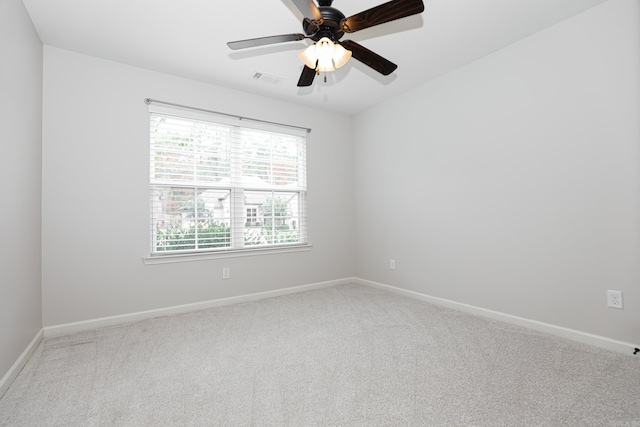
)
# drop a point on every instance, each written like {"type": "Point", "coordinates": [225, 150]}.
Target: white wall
{"type": "Point", "coordinates": [20, 182]}
{"type": "Point", "coordinates": [95, 194]}
{"type": "Point", "coordinates": [513, 183]}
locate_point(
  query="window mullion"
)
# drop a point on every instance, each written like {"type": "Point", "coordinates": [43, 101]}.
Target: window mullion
{"type": "Point", "coordinates": [237, 212]}
{"type": "Point", "coordinates": [196, 222]}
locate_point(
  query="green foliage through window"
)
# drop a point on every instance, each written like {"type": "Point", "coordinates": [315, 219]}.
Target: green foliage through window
{"type": "Point", "coordinates": [209, 235]}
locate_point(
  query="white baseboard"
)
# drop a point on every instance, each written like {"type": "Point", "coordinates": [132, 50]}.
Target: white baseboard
{"type": "Point", "coordinates": [85, 325]}
{"type": "Point", "coordinates": [572, 334]}
{"type": "Point", "coordinates": [13, 372]}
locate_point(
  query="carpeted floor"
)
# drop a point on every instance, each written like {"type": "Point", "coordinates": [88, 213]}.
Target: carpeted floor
{"type": "Point", "coordinates": [347, 355]}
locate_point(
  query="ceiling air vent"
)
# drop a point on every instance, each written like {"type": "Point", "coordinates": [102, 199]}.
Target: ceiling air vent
{"type": "Point", "coordinates": [267, 78]}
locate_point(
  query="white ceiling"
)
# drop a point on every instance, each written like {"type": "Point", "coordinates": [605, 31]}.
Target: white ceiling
{"type": "Point", "coordinates": [188, 38]}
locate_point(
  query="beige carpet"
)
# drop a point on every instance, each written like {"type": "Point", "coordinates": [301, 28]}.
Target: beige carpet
{"type": "Point", "coordinates": [347, 355]}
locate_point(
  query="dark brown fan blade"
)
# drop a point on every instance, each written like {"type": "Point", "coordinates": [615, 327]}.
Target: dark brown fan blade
{"type": "Point", "coordinates": [390, 11]}
{"type": "Point", "coordinates": [307, 76]}
{"type": "Point", "coordinates": [309, 10]}
{"type": "Point", "coordinates": [367, 57]}
{"type": "Point", "coordinates": [261, 41]}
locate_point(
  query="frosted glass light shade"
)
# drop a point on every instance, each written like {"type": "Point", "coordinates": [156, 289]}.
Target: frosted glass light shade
{"type": "Point", "coordinates": [308, 56]}
{"type": "Point", "coordinates": [341, 56]}
{"type": "Point", "coordinates": [325, 55]}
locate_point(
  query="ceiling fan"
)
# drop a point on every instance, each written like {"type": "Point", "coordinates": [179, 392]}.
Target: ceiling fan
{"type": "Point", "coordinates": [326, 25]}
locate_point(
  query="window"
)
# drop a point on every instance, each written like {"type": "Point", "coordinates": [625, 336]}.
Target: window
{"type": "Point", "coordinates": [217, 186]}
{"type": "Point", "coordinates": [252, 217]}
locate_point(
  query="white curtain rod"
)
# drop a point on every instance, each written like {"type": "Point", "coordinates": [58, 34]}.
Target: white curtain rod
{"type": "Point", "coordinates": [150, 100]}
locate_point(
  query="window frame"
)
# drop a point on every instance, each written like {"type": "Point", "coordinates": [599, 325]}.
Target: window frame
{"type": "Point", "coordinates": [238, 223]}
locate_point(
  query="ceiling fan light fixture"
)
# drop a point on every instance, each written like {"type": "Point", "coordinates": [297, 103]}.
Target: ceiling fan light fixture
{"type": "Point", "coordinates": [326, 25]}
{"type": "Point", "coordinates": [325, 55]}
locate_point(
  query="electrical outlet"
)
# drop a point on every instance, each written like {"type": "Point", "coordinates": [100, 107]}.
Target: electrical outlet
{"type": "Point", "coordinates": [392, 264]}
{"type": "Point", "coordinates": [614, 299]}
{"type": "Point", "coordinates": [226, 274]}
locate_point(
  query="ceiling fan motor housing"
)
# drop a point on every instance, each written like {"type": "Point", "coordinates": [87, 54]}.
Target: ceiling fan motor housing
{"type": "Point", "coordinates": [330, 26]}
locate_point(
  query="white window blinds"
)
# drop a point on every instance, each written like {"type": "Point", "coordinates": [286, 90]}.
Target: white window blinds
{"type": "Point", "coordinates": [218, 186]}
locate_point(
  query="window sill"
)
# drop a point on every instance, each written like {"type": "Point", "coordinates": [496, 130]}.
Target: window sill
{"type": "Point", "coordinates": [166, 259]}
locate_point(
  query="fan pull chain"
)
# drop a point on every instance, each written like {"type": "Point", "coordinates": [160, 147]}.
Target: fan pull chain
{"type": "Point", "coordinates": [325, 74]}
